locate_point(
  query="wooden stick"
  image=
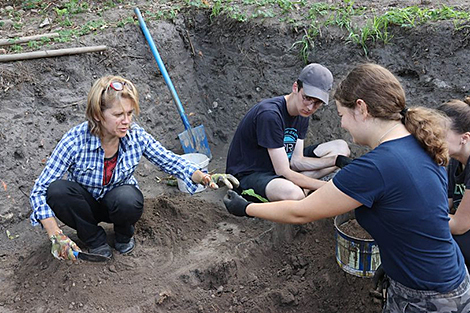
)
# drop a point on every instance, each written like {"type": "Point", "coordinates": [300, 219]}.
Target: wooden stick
{"type": "Point", "coordinates": [7, 42]}
{"type": "Point", "coordinates": [49, 53]}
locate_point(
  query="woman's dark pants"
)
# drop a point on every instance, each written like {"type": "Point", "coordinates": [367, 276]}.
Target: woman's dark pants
{"type": "Point", "coordinates": [75, 206]}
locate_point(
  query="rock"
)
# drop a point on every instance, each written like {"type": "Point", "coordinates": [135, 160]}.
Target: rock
{"type": "Point", "coordinates": [162, 296]}
{"type": "Point", "coordinates": [45, 22]}
{"type": "Point", "coordinates": [287, 298]}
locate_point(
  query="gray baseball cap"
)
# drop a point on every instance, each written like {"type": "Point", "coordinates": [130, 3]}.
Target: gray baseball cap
{"type": "Point", "coordinates": [317, 81]}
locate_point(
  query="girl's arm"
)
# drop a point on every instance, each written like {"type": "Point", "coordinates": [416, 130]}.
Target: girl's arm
{"type": "Point", "coordinates": [460, 222]}
{"type": "Point", "coordinates": [328, 201]}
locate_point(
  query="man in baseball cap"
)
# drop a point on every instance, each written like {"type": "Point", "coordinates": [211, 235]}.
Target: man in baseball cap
{"type": "Point", "coordinates": [316, 81]}
{"type": "Point", "coordinates": [267, 152]}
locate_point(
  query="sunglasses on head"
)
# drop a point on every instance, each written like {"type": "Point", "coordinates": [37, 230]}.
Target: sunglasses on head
{"type": "Point", "coordinates": [117, 86]}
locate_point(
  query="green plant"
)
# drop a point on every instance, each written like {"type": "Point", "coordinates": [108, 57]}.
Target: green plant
{"type": "Point", "coordinates": [32, 4]}
{"type": "Point", "coordinates": [262, 13]}
{"type": "Point", "coordinates": [91, 26]}
{"type": "Point", "coordinates": [285, 5]}
{"type": "Point", "coordinates": [61, 12]}
{"type": "Point", "coordinates": [16, 48]}
{"type": "Point", "coordinates": [304, 47]}
{"type": "Point", "coordinates": [197, 3]}
{"type": "Point", "coordinates": [17, 25]}
{"type": "Point", "coordinates": [123, 22]}
{"type": "Point", "coordinates": [65, 35]}
{"type": "Point", "coordinates": [76, 6]}
{"type": "Point", "coordinates": [217, 8]}
{"type": "Point", "coordinates": [34, 45]}
{"type": "Point", "coordinates": [45, 40]}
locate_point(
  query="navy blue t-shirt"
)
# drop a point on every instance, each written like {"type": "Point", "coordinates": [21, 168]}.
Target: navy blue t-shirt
{"type": "Point", "coordinates": [266, 125]}
{"type": "Point", "coordinates": [405, 196]}
{"type": "Point", "coordinates": [459, 183]}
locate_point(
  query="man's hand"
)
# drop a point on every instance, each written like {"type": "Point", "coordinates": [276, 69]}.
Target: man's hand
{"type": "Point", "coordinates": [215, 181]}
{"type": "Point", "coordinates": [235, 203]}
{"type": "Point", "coordinates": [63, 247]}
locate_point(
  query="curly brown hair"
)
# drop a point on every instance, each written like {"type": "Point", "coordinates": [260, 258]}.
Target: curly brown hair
{"type": "Point", "coordinates": [386, 100]}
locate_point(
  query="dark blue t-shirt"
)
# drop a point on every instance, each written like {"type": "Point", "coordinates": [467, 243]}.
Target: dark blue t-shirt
{"type": "Point", "coordinates": [459, 182]}
{"type": "Point", "coordinates": [405, 196]}
{"type": "Point", "coordinates": [266, 125]}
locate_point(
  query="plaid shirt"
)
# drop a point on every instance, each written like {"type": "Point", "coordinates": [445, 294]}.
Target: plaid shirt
{"type": "Point", "coordinates": [80, 154]}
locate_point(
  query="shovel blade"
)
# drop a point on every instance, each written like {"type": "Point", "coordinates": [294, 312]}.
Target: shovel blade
{"type": "Point", "coordinates": [199, 134]}
{"type": "Point", "coordinates": [90, 257]}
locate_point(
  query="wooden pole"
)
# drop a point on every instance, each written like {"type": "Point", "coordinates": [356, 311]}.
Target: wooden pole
{"type": "Point", "coordinates": [7, 42]}
{"type": "Point", "coordinates": [49, 53]}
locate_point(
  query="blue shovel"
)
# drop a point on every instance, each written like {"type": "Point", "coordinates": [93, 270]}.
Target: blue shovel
{"type": "Point", "coordinates": [192, 139]}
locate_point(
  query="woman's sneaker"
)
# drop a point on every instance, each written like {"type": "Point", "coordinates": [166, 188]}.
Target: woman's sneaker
{"type": "Point", "coordinates": [125, 248]}
{"type": "Point", "coordinates": [104, 250]}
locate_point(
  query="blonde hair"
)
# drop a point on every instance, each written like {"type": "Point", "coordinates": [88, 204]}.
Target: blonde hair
{"type": "Point", "coordinates": [386, 100]}
{"type": "Point", "coordinates": [102, 96]}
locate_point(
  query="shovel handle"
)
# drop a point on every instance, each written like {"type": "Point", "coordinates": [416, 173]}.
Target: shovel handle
{"type": "Point", "coordinates": [162, 68]}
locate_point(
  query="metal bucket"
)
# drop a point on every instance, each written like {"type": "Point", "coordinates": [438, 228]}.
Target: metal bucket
{"type": "Point", "coordinates": [359, 257]}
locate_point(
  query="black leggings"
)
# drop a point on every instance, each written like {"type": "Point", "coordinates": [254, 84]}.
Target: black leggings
{"type": "Point", "coordinates": [75, 206]}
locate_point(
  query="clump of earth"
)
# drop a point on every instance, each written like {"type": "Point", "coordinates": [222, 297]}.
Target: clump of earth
{"type": "Point", "coordinates": [191, 255]}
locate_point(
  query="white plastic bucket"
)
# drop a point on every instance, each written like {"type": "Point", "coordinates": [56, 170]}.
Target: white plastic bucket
{"type": "Point", "coordinates": [201, 161]}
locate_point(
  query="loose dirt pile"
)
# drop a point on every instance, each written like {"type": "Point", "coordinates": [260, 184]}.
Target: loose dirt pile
{"type": "Point", "coordinates": [192, 256]}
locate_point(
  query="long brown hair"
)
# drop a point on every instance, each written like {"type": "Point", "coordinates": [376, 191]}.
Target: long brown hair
{"type": "Point", "coordinates": [386, 100]}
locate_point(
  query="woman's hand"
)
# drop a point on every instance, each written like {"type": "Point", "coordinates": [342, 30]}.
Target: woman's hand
{"type": "Point", "coordinates": [215, 181]}
{"type": "Point", "coordinates": [63, 247]}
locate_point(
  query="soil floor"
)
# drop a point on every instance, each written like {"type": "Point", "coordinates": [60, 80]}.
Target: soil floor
{"type": "Point", "coordinates": [191, 255]}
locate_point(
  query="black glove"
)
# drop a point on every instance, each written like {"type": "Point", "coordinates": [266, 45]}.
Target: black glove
{"type": "Point", "coordinates": [379, 277]}
{"type": "Point", "coordinates": [381, 283]}
{"type": "Point", "coordinates": [235, 203]}
{"type": "Point", "coordinates": [342, 161]}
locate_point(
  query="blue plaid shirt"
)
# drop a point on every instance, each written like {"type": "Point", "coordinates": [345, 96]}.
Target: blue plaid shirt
{"type": "Point", "coordinates": [80, 154]}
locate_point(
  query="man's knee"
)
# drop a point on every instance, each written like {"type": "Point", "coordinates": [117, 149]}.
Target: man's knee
{"type": "Point", "coordinates": [287, 192]}
{"type": "Point", "coordinates": [341, 147]}
{"type": "Point", "coordinates": [338, 146]}
{"type": "Point", "coordinates": [294, 194]}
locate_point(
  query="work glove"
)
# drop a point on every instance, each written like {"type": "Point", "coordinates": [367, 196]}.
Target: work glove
{"type": "Point", "coordinates": [63, 247]}
{"type": "Point", "coordinates": [215, 181]}
{"type": "Point", "coordinates": [381, 283]}
{"type": "Point", "coordinates": [378, 277]}
{"type": "Point", "coordinates": [341, 161]}
{"type": "Point", "coordinates": [236, 204]}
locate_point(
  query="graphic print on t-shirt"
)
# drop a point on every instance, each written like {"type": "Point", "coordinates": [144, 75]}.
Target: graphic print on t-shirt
{"type": "Point", "coordinates": [290, 138]}
{"type": "Point", "coordinates": [459, 190]}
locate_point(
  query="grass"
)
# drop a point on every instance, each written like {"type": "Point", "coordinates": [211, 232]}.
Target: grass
{"type": "Point", "coordinates": [362, 26]}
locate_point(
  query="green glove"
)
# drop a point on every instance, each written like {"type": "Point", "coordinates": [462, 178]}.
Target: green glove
{"type": "Point", "coordinates": [223, 179]}
{"type": "Point", "coordinates": [63, 247]}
